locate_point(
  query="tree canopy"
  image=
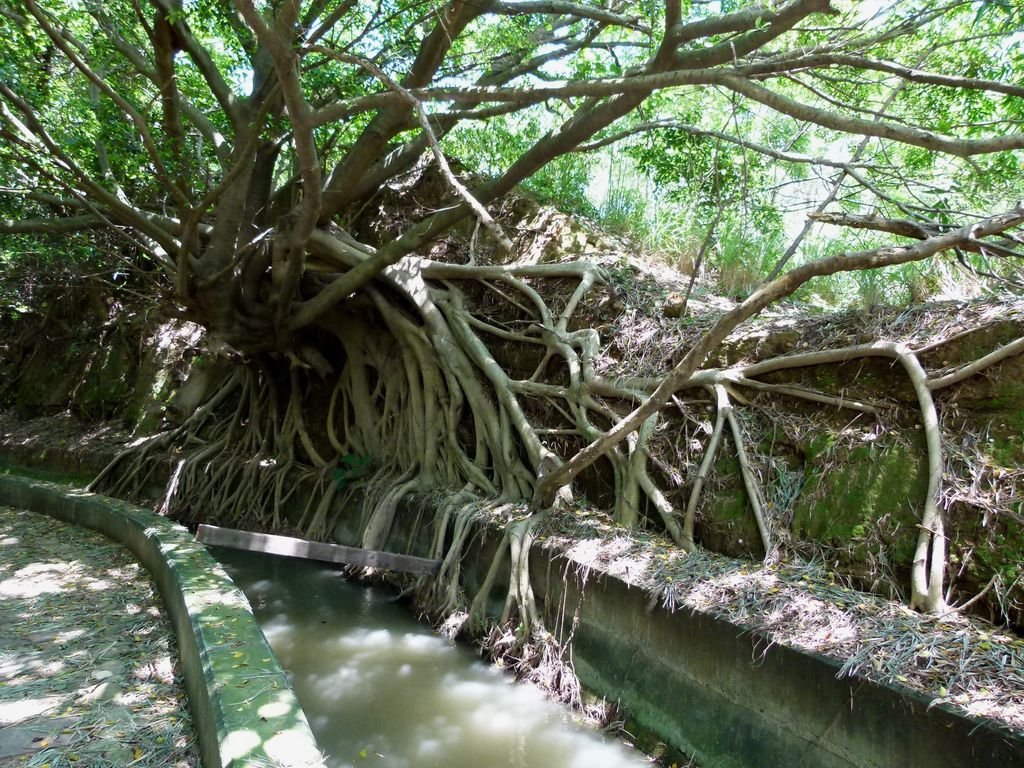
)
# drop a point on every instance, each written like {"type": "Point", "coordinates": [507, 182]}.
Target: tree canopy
{"type": "Point", "coordinates": [234, 147]}
{"type": "Point", "coordinates": [202, 129]}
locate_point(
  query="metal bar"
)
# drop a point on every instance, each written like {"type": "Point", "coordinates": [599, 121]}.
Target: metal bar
{"type": "Point", "coordinates": [287, 546]}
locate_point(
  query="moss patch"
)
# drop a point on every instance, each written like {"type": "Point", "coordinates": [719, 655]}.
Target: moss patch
{"type": "Point", "coordinates": [725, 520]}
{"type": "Point", "coordinates": [844, 500]}
{"type": "Point", "coordinates": [49, 378]}
{"type": "Point", "coordinates": [108, 382]}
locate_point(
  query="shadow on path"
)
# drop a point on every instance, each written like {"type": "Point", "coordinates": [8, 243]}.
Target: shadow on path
{"type": "Point", "coordinates": [88, 670]}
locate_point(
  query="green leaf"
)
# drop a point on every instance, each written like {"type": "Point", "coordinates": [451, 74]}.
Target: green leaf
{"type": "Point", "coordinates": [352, 467]}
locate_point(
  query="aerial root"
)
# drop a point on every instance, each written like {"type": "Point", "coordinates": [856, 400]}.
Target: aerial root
{"type": "Point", "coordinates": [437, 410]}
{"type": "Point", "coordinates": [446, 586]}
{"type": "Point", "coordinates": [929, 564]}
{"type": "Point", "coordinates": [708, 461]}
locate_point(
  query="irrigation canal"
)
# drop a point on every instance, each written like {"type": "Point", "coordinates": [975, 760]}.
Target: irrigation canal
{"type": "Point", "coordinates": [381, 689]}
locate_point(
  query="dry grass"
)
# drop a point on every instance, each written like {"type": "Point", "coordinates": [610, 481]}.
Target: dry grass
{"type": "Point", "coordinates": [960, 661]}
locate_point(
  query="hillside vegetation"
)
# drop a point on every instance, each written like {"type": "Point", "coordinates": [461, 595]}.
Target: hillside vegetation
{"type": "Point", "coordinates": [340, 198]}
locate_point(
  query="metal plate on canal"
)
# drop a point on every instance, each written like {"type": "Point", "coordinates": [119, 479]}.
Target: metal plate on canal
{"type": "Point", "coordinates": [381, 689]}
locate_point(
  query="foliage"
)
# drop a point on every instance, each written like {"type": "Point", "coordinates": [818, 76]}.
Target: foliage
{"type": "Point", "coordinates": [102, 108]}
{"type": "Point", "coordinates": [744, 256]}
{"type": "Point", "coordinates": [490, 148]}
{"type": "Point", "coordinates": [247, 153]}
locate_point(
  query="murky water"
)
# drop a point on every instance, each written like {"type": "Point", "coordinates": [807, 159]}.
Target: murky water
{"type": "Point", "coordinates": [380, 689]}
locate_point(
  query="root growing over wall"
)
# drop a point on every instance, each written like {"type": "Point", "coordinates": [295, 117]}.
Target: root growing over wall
{"type": "Point", "coordinates": [435, 404]}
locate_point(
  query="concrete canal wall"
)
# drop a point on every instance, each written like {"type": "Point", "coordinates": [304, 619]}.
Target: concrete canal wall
{"type": "Point", "coordinates": [243, 709]}
{"type": "Point", "coordinates": [721, 693]}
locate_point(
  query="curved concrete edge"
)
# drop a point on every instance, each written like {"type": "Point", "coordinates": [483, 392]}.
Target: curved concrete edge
{"type": "Point", "coordinates": [243, 710]}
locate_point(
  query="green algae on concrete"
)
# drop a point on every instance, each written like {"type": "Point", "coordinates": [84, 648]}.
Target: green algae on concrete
{"type": "Point", "coordinates": [1005, 435]}
{"type": "Point", "coordinates": [46, 381]}
{"type": "Point", "coordinates": [730, 695]}
{"type": "Point", "coordinates": [875, 484]}
{"type": "Point", "coordinates": [244, 712]}
{"type": "Point", "coordinates": [725, 518]}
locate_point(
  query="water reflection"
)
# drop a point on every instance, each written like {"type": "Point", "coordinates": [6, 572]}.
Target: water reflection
{"type": "Point", "coordinates": [380, 689]}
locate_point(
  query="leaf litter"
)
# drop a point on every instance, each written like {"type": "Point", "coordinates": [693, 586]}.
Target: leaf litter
{"type": "Point", "coordinates": [958, 661]}
{"type": "Point", "coordinates": [88, 661]}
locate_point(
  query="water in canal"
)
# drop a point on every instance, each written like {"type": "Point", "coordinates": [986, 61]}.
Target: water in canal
{"type": "Point", "coordinates": [381, 689]}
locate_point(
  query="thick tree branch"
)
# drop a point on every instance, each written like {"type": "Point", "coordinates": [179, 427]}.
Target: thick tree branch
{"type": "Point", "coordinates": [205, 64]}
{"type": "Point", "coordinates": [49, 226]}
{"type": "Point", "coordinates": [739, 21]}
{"type": "Point", "coordinates": [460, 189]}
{"type": "Point", "coordinates": [328, 23]}
{"type": "Point", "coordinates": [901, 227]}
{"type": "Point", "coordinates": [566, 8]}
{"type": "Point", "coordinates": [783, 286]}
{"type": "Point", "coordinates": [692, 130]}
{"type": "Point", "coordinates": [885, 130]}
{"type": "Point", "coordinates": [763, 29]}
{"type": "Point", "coordinates": [290, 247]}
{"type": "Point", "coordinates": [372, 144]}
{"type": "Point", "coordinates": [918, 230]}
{"type": "Point", "coordinates": [909, 74]}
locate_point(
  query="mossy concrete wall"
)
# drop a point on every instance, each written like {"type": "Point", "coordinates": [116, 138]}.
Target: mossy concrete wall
{"type": "Point", "coordinates": [243, 710]}
{"type": "Point", "coordinates": [692, 685]}
{"type": "Point", "coordinates": [125, 373]}
{"type": "Point", "coordinates": [730, 698]}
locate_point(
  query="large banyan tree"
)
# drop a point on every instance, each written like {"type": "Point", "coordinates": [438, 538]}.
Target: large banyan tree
{"type": "Point", "coordinates": [244, 148]}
